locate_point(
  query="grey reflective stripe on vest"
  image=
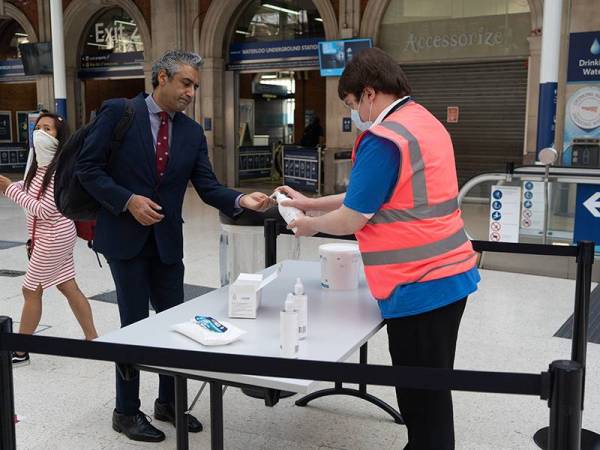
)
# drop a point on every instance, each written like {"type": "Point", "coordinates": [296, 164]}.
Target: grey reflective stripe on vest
{"type": "Point", "coordinates": [416, 162]}
{"type": "Point", "coordinates": [419, 253]}
{"type": "Point", "coordinates": [422, 212]}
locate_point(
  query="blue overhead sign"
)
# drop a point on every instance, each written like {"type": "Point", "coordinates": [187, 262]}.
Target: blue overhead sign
{"type": "Point", "coordinates": [293, 48]}
{"type": "Point", "coordinates": [587, 214]}
{"type": "Point", "coordinates": [11, 68]}
{"type": "Point", "coordinates": [584, 57]}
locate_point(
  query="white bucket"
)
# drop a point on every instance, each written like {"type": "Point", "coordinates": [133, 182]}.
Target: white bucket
{"type": "Point", "coordinates": [340, 266]}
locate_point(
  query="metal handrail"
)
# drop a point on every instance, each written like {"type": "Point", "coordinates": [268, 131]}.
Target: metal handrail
{"type": "Point", "coordinates": [570, 175]}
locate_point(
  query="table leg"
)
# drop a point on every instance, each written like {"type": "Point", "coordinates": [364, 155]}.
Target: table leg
{"type": "Point", "coordinates": [181, 423]}
{"type": "Point", "coordinates": [216, 415]}
{"type": "Point", "coordinates": [362, 388]}
{"type": "Point", "coordinates": [361, 392]}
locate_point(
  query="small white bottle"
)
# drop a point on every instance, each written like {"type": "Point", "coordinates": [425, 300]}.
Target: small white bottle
{"type": "Point", "coordinates": [301, 302]}
{"type": "Point", "coordinates": [288, 329]}
{"type": "Point", "coordinates": [288, 213]}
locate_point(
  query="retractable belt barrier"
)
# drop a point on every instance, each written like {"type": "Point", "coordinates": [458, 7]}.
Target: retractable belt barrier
{"type": "Point", "coordinates": [561, 385]}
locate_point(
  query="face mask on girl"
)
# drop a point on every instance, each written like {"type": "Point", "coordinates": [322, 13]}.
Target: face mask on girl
{"type": "Point", "coordinates": [358, 122]}
{"type": "Point", "coordinates": [45, 147]}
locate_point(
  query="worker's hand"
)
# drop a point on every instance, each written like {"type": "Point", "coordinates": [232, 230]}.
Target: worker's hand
{"type": "Point", "coordinates": [144, 210]}
{"type": "Point", "coordinates": [297, 200]}
{"type": "Point", "coordinates": [4, 183]}
{"type": "Point", "coordinates": [257, 201]}
{"type": "Point", "coordinates": [305, 226]}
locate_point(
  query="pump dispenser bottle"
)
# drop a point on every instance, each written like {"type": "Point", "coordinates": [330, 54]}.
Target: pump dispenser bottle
{"type": "Point", "coordinates": [288, 213]}
{"type": "Point", "coordinates": [288, 329]}
{"type": "Point", "coordinates": [301, 304]}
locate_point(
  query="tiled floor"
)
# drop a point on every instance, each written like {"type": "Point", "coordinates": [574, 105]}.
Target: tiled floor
{"type": "Point", "coordinates": [508, 325]}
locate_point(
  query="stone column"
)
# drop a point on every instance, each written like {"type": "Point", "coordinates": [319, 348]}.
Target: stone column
{"type": "Point", "coordinates": [533, 77]}
{"type": "Point", "coordinates": [211, 98]}
{"type": "Point", "coordinates": [44, 87]}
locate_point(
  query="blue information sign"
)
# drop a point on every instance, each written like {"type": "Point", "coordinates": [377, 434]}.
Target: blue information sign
{"type": "Point", "coordinates": [587, 213]}
{"type": "Point", "coordinates": [584, 57]}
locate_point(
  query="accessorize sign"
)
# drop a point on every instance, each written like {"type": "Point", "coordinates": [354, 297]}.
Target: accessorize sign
{"type": "Point", "coordinates": [473, 37]}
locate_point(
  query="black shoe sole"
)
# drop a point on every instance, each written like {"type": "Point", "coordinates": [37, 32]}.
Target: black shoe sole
{"type": "Point", "coordinates": [135, 438]}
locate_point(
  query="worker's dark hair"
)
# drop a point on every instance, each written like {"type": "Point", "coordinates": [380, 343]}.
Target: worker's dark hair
{"type": "Point", "coordinates": [372, 67]}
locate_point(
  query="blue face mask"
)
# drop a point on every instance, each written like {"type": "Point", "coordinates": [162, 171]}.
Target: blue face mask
{"type": "Point", "coordinates": [358, 122]}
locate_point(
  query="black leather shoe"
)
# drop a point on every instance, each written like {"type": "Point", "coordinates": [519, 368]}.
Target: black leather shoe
{"type": "Point", "coordinates": [136, 427]}
{"type": "Point", "coordinates": [166, 413]}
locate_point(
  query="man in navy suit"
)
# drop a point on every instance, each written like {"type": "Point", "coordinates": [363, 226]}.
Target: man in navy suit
{"type": "Point", "coordinates": [139, 228]}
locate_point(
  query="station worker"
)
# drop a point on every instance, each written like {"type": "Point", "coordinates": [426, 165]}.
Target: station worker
{"type": "Point", "coordinates": [401, 204]}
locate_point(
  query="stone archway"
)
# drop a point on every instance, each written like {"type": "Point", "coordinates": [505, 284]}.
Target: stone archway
{"type": "Point", "coordinates": [219, 20]}
{"type": "Point", "coordinates": [76, 18]}
{"type": "Point", "coordinates": [371, 20]}
{"type": "Point", "coordinates": [216, 29]}
{"type": "Point", "coordinates": [12, 12]}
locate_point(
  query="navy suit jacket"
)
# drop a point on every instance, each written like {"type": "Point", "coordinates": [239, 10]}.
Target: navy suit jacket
{"type": "Point", "coordinates": [132, 170]}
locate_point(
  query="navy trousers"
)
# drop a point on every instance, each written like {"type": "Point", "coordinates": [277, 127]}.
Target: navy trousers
{"type": "Point", "coordinates": [138, 281]}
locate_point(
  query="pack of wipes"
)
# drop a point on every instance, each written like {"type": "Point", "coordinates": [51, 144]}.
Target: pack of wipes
{"type": "Point", "coordinates": [209, 331]}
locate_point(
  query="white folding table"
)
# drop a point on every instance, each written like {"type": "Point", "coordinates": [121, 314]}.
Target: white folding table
{"type": "Point", "coordinates": [339, 324]}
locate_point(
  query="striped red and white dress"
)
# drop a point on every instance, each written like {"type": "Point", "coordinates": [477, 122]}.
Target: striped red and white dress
{"type": "Point", "coordinates": [51, 262]}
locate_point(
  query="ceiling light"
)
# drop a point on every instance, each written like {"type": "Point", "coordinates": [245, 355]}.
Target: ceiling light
{"type": "Point", "coordinates": [125, 23]}
{"type": "Point", "coordinates": [21, 34]}
{"type": "Point", "coordinates": [279, 8]}
{"type": "Point", "coordinates": [269, 77]}
{"type": "Point", "coordinates": [245, 33]}
{"type": "Point", "coordinates": [318, 19]}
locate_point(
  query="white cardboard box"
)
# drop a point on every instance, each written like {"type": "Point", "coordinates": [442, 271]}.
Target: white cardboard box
{"type": "Point", "coordinates": [245, 294]}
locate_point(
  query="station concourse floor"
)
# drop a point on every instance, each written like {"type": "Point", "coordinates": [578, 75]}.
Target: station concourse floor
{"type": "Point", "coordinates": [508, 325]}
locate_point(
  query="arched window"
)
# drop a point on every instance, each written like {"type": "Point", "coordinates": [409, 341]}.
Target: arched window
{"type": "Point", "coordinates": [113, 31]}
{"type": "Point", "coordinates": [11, 35]}
{"type": "Point", "coordinates": [278, 20]}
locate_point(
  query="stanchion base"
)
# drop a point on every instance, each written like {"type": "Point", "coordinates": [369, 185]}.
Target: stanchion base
{"type": "Point", "coordinates": [589, 439]}
{"type": "Point", "coordinates": [354, 393]}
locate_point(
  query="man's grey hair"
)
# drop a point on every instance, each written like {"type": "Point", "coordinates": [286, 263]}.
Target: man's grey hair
{"type": "Point", "coordinates": [171, 61]}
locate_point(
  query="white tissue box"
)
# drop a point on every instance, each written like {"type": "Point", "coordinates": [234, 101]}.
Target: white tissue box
{"type": "Point", "coordinates": [245, 296]}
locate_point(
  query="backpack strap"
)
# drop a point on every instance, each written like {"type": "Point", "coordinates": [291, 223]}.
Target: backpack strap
{"type": "Point", "coordinates": [121, 128]}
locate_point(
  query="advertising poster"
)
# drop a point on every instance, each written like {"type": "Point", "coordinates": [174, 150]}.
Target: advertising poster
{"type": "Point", "coordinates": [581, 142]}
{"type": "Point", "coordinates": [5, 126]}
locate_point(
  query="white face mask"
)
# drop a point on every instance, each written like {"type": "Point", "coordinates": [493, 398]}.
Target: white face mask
{"type": "Point", "coordinates": [45, 147]}
{"type": "Point", "coordinates": [358, 122]}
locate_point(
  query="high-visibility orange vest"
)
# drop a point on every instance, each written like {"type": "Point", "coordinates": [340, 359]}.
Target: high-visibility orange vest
{"type": "Point", "coordinates": [418, 235]}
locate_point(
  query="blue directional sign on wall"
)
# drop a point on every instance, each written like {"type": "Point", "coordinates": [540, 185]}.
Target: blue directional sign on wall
{"type": "Point", "coordinates": [587, 213]}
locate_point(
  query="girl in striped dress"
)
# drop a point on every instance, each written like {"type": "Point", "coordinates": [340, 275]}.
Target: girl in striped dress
{"type": "Point", "coordinates": [52, 235]}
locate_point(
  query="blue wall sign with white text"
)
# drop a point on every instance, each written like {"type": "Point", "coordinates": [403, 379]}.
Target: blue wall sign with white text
{"type": "Point", "coordinates": [587, 213]}
{"type": "Point", "coordinates": [584, 56]}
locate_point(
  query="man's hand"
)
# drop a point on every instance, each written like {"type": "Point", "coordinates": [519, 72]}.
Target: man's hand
{"type": "Point", "coordinates": [4, 183]}
{"type": "Point", "coordinates": [144, 210]}
{"type": "Point", "coordinates": [302, 202]}
{"type": "Point", "coordinates": [257, 201]}
{"type": "Point", "coordinates": [304, 226]}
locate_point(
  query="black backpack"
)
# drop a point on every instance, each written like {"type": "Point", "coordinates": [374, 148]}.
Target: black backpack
{"type": "Point", "coordinates": [72, 200]}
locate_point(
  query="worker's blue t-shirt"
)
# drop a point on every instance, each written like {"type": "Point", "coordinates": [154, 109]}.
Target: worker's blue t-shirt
{"type": "Point", "coordinates": [372, 182]}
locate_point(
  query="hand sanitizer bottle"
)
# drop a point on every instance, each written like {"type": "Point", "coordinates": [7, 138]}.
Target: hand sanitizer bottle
{"type": "Point", "coordinates": [301, 302]}
{"type": "Point", "coordinates": [288, 213]}
{"type": "Point", "coordinates": [288, 329]}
